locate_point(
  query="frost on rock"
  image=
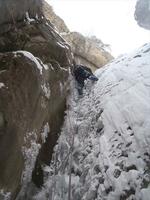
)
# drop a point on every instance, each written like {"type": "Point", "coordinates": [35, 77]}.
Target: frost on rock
{"type": "Point", "coordinates": [46, 89]}
{"type": "Point", "coordinates": [44, 133]}
{"type": "Point", "coordinates": [30, 154]}
{"type": "Point", "coordinates": [5, 195]}
{"type": "Point", "coordinates": [29, 20]}
{"type": "Point", "coordinates": [54, 31]}
{"type": "Point", "coordinates": [103, 151]}
{"type": "Point", "coordinates": [61, 88]}
{"type": "Point", "coordinates": [46, 66]}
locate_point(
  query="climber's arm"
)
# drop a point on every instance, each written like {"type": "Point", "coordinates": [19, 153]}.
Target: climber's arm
{"type": "Point", "coordinates": [93, 78]}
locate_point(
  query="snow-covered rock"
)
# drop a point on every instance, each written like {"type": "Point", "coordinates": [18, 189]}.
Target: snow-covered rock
{"type": "Point", "coordinates": [34, 71]}
{"type": "Point", "coordinates": [104, 149]}
{"type": "Point", "coordinates": [12, 11]}
{"type": "Point", "coordinates": [142, 13]}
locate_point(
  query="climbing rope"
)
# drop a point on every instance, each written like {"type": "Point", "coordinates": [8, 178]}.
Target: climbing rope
{"type": "Point", "coordinates": [73, 131]}
{"type": "Point", "coordinates": [68, 158]}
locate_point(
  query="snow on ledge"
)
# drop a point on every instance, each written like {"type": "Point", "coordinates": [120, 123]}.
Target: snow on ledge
{"type": "Point", "coordinates": [31, 57]}
{"type": "Point", "coordinates": [28, 18]}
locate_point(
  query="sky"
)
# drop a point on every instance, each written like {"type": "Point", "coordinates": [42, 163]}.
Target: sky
{"type": "Point", "coordinates": [112, 21]}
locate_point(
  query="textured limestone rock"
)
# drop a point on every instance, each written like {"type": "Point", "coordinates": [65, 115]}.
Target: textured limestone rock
{"type": "Point", "coordinates": [20, 100]}
{"type": "Point", "coordinates": [12, 11]}
{"type": "Point", "coordinates": [33, 90]}
{"type": "Point", "coordinates": [54, 19]}
{"type": "Point", "coordinates": [34, 69]}
{"type": "Point", "coordinates": [142, 13]}
{"type": "Point", "coordinates": [86, 51]}
{"type": "Point", "coordinates": [39, 38]}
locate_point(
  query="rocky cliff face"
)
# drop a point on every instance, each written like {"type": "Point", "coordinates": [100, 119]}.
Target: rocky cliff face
{"type": "Point", "coordinates": [13, 11]}
{"type": "Point", "coordinates": [55, 19]}
{"type": "Point", "coordinates": [34, 63]}
{"type": "Point", "coordinates": [34, 72]}
{"type": "Point", "coordinates": [86, 51]}
{"type": "Point", "coordinates": [142, 13]}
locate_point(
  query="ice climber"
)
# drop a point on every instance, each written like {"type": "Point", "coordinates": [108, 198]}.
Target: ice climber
{"type": "Point", "coordinates": [81, 73]}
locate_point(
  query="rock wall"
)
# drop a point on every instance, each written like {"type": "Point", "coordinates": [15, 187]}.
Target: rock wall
{"type": "Point", "coordinates": [34, 69]}
{"type": "Point", "coordinates": [142, 13]}
{"type": "Point", "coordinates": [13, 11]}
{"type": "Point", "coordinates": [55, 19]}
{"type": "Point", "coordinates": [85, 50]}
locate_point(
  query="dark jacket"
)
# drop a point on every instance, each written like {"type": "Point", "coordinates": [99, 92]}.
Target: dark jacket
{"type": "Point", "coordinates": [81, 73]}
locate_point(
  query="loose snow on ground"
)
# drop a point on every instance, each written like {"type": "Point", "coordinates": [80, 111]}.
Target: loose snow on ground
{"type": "Point", "coordinates": [104, 146]}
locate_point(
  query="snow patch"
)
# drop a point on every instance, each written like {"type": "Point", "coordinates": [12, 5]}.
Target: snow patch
{"type": "Point", "coordinates": [145, 194]}
{"type": "Point", "coordinates": [5, 195]}
{"type": "Point", "coordinates": [61, 45]}
{"type": "Point", "coordinates": [61, 87]}
{"type": "Point", "coordinates": [30, 155]}
{"type": "Point", "coordinates": [46, 67]}
{"type": "Point", "coordinates": [46, 89]}
{"type": "Point", "coordinates": [29, 20]}
{"type": "Point", "coordinates": [44, 133]}
{"type": "Point", "coordinates": [2, 85]}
